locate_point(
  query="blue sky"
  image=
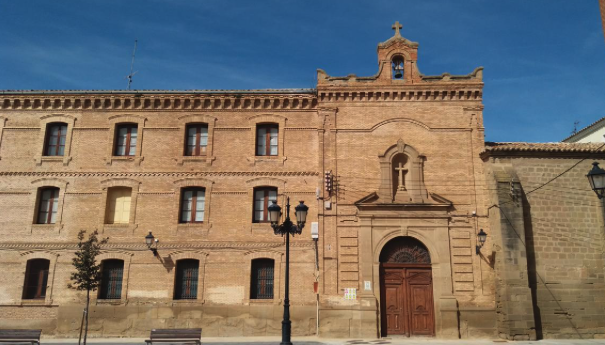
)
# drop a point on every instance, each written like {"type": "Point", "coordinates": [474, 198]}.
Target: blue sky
{"type": "Point", "coordinates": [544, 59]}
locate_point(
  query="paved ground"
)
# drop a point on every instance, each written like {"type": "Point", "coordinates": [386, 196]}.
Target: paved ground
{"type": "Point", "coordinates": [316, 341]}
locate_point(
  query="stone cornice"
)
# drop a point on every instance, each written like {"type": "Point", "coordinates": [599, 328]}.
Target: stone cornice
{"type": "Point", "coordinates": [156, 174]}
{"type": "Point", "coordinates": [154, 102]}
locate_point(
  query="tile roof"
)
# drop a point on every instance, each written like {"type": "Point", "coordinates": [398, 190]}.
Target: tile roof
{"type": "Point", "coordinates": [156, 91]}
{"type": "Point", "coordinates": [545, 147]}
{"type": "Point", "coordinates": [585, 129]}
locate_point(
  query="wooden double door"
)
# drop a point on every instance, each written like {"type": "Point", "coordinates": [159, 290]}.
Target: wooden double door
{"type": "Point", "coordinates": [406, 300]}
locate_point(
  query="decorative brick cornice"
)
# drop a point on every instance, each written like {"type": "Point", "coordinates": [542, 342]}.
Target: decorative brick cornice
{"type": "Point", "coordinates": [153, 102]}
{"type": "Point", "coordinates": [158, 174]}
{"type": "Point", "coordinates": [416, 95]}
{"type": "Point", "coordinates": [165, 246]}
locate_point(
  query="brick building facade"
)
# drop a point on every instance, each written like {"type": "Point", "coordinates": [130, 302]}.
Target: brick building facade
{"type": "Point", "coordinates": [413, 182]}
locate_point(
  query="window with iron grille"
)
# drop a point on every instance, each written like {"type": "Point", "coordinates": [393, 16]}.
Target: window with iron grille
{"type": "Point", "coordinates": [197, 139]}
{"type": "Point", "coordinates": [266, 139]}
{"type": "Point", "coordinates": [263, 196]}
{"type": "Point", "coordinates": [126, 140]}
{"type": "Point", "coordinates": [262, 279]}
{"type": "Point", "coordinates": [36, 278]}
{"type": "Point", "coordinates": [185, 284]}
{"type": "Point", "coordinates": [192, 205]}
{"type": "Point", "coordinates": [111, 279]}
{"type": "Point", "coordinates": [48, 204]}
{"type": "Point", "coordinates": [54, 145]}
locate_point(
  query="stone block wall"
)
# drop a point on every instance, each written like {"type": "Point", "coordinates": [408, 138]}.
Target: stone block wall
{"type": "Point", "coordinates": [557, 233]}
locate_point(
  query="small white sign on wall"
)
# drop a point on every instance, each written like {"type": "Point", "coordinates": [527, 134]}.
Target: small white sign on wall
{"type": "Point", "coordinates": [350, 293]}
{"type": "Point", "coordinates": [367, 285]}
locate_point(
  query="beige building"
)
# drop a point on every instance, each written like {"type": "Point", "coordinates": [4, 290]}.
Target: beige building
{"type": "Point", "coordinates": [395, 172]}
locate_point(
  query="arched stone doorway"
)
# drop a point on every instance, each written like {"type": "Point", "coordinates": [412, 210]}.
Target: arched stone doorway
{"type": "Point", "coordinates": [406, 283]}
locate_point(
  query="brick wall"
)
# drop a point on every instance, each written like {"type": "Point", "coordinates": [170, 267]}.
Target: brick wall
{"type": "Point", "coordinates": [225, 243]}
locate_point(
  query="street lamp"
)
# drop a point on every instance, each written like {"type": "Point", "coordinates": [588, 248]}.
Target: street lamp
{"type": "Point", "coordinates": [482, 236]}
{"type": "Point", "coordinates": [287, 228]}
{"type": "Point", "coordinates": [150, 240]}
{"type": "Point", "coordinates": [596, 178]}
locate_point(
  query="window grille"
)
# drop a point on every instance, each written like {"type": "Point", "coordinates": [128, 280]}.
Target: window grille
{"type": "Point", "coordinates": [111, 280]}
{"type": "Point", "coordinates": [186, 279]}
{"type": "Point", "coordinates": [262, 279]}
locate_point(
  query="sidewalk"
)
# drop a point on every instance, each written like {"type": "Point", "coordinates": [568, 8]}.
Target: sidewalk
{"type": "Point", "coordinates": [322, 341]}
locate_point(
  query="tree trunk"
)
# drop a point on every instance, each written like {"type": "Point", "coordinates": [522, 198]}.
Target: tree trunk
{"type": "Point", "coordinates": [86, 319]}
{"type": "Point", "coordinates": [81, 326]}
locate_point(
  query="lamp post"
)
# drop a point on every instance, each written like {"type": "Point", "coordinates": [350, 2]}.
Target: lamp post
{"type": "Point", "coordinates": [596, 178]}
{"type": "Point", "coordinates": [287, 228]}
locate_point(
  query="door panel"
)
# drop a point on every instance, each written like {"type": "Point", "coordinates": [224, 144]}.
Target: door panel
{"type": "Point", "coordinates": [407, 301]}
{"type": "Point", "coordinates": [394, 308]}
{"type": "Point", "coordinates": [421, 301]}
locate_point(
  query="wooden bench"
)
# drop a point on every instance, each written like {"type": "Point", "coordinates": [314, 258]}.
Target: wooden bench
{"type": "Point", "coordinates": [178, 335]}
{"type": "Point", "coordinates": [20, 336]}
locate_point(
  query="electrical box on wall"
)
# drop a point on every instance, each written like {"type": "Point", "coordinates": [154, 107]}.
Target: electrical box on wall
{"type": "Point", "coordinates": [328, 205]}
{"type": "Point", "coordinates": [314, 230]}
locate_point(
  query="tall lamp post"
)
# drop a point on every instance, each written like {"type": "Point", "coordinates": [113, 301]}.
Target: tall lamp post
{"type": "Point", "coordinates": [287, 228]}
{"type": "Point", "coordinates": [596, 178]}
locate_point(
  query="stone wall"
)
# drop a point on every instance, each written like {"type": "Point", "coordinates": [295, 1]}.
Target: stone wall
{"type": "Point", "coordinates": [551, 243]}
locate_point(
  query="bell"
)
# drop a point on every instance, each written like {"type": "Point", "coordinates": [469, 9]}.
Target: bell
{"type": "Point", "coordinates": [398, 71]}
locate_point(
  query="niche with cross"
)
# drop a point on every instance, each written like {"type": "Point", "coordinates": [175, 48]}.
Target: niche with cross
{"type": "Point", "coordinates": [402, 175]}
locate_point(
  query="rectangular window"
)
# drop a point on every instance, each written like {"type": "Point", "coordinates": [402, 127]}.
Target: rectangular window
{"type": "Point", "coordinates": [126, 140]}
{"type": "Point", "coordinates": [262, 279]}
{"type": "Point", "coordinates": [185, 285]}
{"type": "Point", "coordinates": [266, 140]}
{"type": "Point", "coordinates": [55, 139]}
{"type": "Point", "coordinates": [262, 199]}
{"type": "Point", "coordinates": [118, 205]}
{"type": "Point", "coordinates": [36, 278]}
{"type": "Point", "coordinates": [111, 279]}
{"type": "Point", "coordinates": [48, 205]}
{"type": "Point", "coordinates": [197, 140]}
{"type": "Point", "coordinates": [193, 201]}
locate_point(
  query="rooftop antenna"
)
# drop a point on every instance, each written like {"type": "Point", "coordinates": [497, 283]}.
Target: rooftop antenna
{"type": "Point", "coordinates": [129, 77]}
{"type": "Point", "coordinates": [575, 127]}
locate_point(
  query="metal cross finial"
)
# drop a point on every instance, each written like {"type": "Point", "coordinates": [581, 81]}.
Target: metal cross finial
{"type": "Point", "coordinates": [396, 27]}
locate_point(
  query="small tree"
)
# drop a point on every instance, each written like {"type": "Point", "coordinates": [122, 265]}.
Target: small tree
{"type": "Point", "coordinates": [88, 273]}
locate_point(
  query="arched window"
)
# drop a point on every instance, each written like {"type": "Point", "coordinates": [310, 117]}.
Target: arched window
{"type": "Point", "coordinates": [405, 250]}
{"type": "Point", "coordinates": [48, 204]}
{"type": "Point", "coordinates": [261, 281]}
{"type": "Point", "coordinates": [263, 196]}
{"type": "Point", "coordinates": [185, 283]}
{"type": "Point", "coordinates": [111, 279]}
{"type": "Point", "coordinates": [36, 279]}
{"type": "Point", "coordinates": [126, 139]}
{"type": "Point", "coordinates": [193, 200]}
{"type": "Point", "coordinates": [54, 143]}
{"type": "Point", "coordinates": [118, 205]}
{"type": "Point", "coordinates": [196, 141]}
{"type": "Point", "coordinates": [266, 139]}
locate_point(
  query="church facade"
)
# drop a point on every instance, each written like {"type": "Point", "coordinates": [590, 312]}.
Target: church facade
{"type": "Point", "coordinates": [400, 185]}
